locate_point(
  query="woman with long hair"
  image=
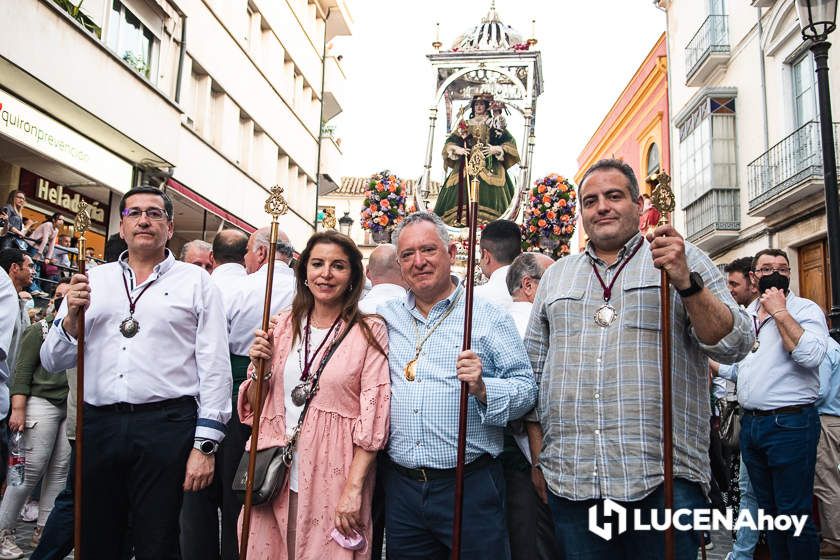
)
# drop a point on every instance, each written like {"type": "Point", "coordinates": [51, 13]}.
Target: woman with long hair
{"type": "Point", "coordinates": [330, 482]}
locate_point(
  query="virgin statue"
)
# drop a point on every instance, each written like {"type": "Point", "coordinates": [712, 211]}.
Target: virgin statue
{"type": "Point", "coordinates": [486, 125]}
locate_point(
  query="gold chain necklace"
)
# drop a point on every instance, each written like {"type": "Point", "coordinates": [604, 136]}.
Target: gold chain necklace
{"type": "Point", "coordinates": [411, 366]}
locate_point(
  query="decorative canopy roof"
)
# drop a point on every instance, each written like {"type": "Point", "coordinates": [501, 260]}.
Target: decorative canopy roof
{"type": "Point", "coordinates": [492, 34]}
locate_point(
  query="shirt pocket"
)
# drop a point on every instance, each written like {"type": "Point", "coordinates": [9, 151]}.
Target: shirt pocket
{"type": "Point", "coordinates": [642, 304]}
{"type": "Point", "coordinates": [564, 308]}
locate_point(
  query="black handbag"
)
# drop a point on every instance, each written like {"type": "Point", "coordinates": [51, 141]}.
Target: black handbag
{"type": "Point", "coordinates": [730, 426]}
{"type": "Point", "coordinates": [271, 466]}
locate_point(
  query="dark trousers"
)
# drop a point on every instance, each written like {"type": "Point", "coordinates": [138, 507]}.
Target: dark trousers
{"type": "Point", "coordinates": [200, 510]}
{"type": "Point", "coordinates": [378, 509]}
{"type": "Point", "coordinates": [528, 519]}
{"type": "Point", "coordinates": [418, 516]}
{"type": "Point", "coordinates": [780, 453]}
{"type": "Point", "coordinates": [134, 468]}
{"type": "Point", "coordinates": [577, 542]}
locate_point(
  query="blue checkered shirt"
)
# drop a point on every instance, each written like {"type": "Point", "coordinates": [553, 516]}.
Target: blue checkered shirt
{"type": "Point", "coordinates": [424, 412]}
{"type": "Point", "coordinates": [600, 402]}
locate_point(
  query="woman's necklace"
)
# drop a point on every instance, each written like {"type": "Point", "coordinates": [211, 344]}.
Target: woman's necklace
{"type": "Point", "coordinates": [302, 391]}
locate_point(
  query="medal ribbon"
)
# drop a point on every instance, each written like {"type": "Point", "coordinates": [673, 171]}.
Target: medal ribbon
{"type": "Point", "coordinates": [759, 327]}
{"type": "Point", "coordinates": [418, 344]}
{"type": "Point", "coordinates": [307, 362]}
{"type": "Point", "coordinates": [132, 303]}
{"type": "Point", "coordinates": [608, 289]}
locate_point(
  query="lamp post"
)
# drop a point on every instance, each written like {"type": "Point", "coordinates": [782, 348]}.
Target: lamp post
{"type": "Point", "coordinates": [817, 19]}
{"type": "Point", "coordinates": [345, 224]}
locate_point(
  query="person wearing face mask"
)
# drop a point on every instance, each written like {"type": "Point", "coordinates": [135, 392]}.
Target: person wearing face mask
{"type": "Point", "coordinates": [778, 384]}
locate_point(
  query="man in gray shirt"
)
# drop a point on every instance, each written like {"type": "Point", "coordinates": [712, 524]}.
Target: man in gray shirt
{"type": "Point", "coordinates": [594, 343]}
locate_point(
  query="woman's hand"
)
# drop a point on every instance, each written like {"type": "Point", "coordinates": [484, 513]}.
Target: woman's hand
{"type": "Point", "coordinates": [348, 513]}
{"type": "Point", "coordinates": [17, 419]}
{"type": "Point", "coordinates": [261, 349]}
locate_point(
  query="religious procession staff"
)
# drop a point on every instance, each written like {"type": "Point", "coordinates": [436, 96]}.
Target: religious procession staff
{"type": "Point", "coordinates": [594, 339]}
{"type": "Point", "coordinates": [154, 328]}
{"type": "Point", "coordinates": [323, 509]}
{"type": "Point", "coordinates": [425, 331]}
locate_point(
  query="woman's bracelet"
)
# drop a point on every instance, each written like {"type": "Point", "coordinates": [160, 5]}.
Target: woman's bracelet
{"type": "Point", "coordinates": [253, 375]}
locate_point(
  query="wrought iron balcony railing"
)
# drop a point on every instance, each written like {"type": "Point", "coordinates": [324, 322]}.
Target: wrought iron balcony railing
{"type": "Point", "coordinates": [780, 169]}
{"type": "Point", "coordinates": [716, 210]}
{"type": "Point", "coordinates": [712, 37]}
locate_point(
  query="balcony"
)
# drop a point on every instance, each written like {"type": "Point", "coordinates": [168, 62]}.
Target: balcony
{"type": "Point", "coordinates": [334, 86]}
{"type": "Point", "coordinates": [789, 171]}
{"type": "Point", "coordinates": [330, 172]}
{"type": "Point", "coordinates": [708, 49]}
{"type": "Point", "coordinates": [714, 219]}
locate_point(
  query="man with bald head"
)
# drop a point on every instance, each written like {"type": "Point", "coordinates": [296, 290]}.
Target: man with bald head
{"type": "Point", "coordinates": [228, 254]}
{"type": "Point", "coordinates": [197, 252]}
{"type": "Point", "coordinates": [384, 274]}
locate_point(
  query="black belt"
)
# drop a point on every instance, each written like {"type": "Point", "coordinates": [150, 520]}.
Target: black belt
{"type": "Point", "coordinates": [140, 407]}
{"type": "Point", "coordinates": [795, 409]}
{"type": "Point", "coordinates": [424, 474]}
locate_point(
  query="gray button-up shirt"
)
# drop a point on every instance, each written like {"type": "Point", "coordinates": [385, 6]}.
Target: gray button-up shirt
{"type": "Point", "coordinates": [600, 395]}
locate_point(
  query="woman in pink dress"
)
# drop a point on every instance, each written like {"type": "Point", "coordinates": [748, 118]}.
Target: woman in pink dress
{"type": "Point", "coordinates": [330, 484]}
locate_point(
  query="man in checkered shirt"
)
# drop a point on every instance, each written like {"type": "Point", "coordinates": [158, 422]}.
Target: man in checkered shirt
{"type": "Point", "coordinates": [594, 342]}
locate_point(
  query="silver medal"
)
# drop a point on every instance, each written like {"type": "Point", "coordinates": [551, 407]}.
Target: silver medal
{"type": "Point", "coordinates": [756, 345]}
{"type": "Point", "coordinates": [301, 393]}
{"type": "Point", "coordinates": [606, 315]}
{"type": "Point", "coordinates": [129, 327]}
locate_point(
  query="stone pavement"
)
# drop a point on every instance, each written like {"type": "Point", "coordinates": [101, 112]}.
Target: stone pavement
{"type": "Point", "coordinates": [24, 536]}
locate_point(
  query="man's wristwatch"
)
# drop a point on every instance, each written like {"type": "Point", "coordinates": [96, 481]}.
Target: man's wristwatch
{"type": "Point", "coordinates": [697, 285]}
{"type": "Point", "coordinates": [206, 446]}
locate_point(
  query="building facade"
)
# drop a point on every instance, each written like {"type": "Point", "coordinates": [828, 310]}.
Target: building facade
{"type": "Point", "coordinates": [636, 128]}
{"type": "Point", "coordinates": [748, 174]}
{"type": "Point", "coordinates": [214, 100]}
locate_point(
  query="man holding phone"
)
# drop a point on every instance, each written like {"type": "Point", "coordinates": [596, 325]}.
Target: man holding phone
{"type": "Point", "coordinates": [778, 384]}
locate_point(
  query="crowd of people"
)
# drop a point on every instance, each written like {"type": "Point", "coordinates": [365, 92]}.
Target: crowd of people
{"type": "Point", "coordinates": [361, 374]}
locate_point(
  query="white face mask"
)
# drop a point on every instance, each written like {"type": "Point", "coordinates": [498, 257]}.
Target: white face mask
{"type": "Point", "coordinates": [30, 304]}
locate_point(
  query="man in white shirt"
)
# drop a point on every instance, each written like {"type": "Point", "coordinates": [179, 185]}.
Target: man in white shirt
{"type": "Point", "coordinates": [501, 242]}
{"type": "Point", "coordinates": [522, 279]}
{"type": "Point", "coordinates": [200, 537]}
{"type": "Point", "coordinates": [157, 389]}
{"type": "Point", "coordinates": [384, 274]}
{"type": "Point", "coordinates": [197, 252]}
{"type": "Point", "coordinates": [778, 385]}
{"type": "Point", "coordinates": [9, 310]}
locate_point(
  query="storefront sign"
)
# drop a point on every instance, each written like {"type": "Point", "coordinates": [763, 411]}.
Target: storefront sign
{"type": "Point", "coordinates": [59, 197]}
{"type": "Point", "coordinates": [32, 128]}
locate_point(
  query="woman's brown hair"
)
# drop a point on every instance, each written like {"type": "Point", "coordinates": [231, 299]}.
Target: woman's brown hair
{"type": "Point", "coordinates": [304, 301]}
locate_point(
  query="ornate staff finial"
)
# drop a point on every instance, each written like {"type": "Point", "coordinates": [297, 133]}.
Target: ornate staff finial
{"type": "Point", "coordinates": [475, 163]}
{"type": "Point", "coordinates": [275, 204]}
{"type": "Point", "coordinates": [82, 222]}
{"type": "Point", "coordinates": [662, 197]}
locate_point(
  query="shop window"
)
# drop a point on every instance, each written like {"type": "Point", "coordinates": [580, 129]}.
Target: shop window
{"type": "Point", "coordinates": [132, 41]}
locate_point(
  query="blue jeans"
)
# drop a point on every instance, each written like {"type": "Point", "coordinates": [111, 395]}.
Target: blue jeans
{"type": "Point", "coordinates": [780, 452]}
{"type": "Point", "coordinates": [577, 542]}
{"type": "Point", "coordinates": [746, 538]}
{"type": "Point", "coordinates": [418, 516]}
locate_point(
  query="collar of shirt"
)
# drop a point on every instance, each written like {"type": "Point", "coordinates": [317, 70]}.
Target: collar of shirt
{"type": "Point", "coordinates": [159, 270]}
{"type": "Point", "coordinates": [495, 289]}
{"type": "Point", "coordinates": [625, 250]}
{"type": "Point", "coordinates": [438, 308]}
{"type": "Point", "coordinates": [280, 267]}
{"type": "Point", "coordinates": [229, 270]}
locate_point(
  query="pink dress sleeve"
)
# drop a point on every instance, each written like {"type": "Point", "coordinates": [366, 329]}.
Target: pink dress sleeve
{"type": "Point", "coordinates": [370, 431]}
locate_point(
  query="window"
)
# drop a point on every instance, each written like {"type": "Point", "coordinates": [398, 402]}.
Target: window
{"type": "Point", "coordinates": [653, 159]}
{"type": "Point", "coordinates": [804, 90]}
{"type": "Point", "coordinates": [131, 40]}
{"type": "Point", "coordinates": [708, 149]}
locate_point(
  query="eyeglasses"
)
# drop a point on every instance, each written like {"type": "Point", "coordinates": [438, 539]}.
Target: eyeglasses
{"type": "Point", "coordinates": [153, 213]}
{"type": "Point", "coordinates": [767, 270]}
{"type": "Point", "coordinates": [426, 252]}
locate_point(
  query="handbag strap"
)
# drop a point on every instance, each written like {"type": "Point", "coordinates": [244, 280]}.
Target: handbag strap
{"type": "Point", "coordinates": [290, 447]}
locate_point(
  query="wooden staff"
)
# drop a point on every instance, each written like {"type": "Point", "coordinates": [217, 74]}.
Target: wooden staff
{"type": "Point", "coordinates": [81, 225]}
{"type": "Point", "coordinates": [275, 206]}
{"type": "Point", "coordinates": [662, 198]}
{"type": "Point", "coordinates": [474, 166]}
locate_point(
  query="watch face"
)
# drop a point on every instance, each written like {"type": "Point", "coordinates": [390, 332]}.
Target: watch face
{"type": "Point", "coordinates": [207, 447]}
{"type": "Point", "coordinates": [697, 280]}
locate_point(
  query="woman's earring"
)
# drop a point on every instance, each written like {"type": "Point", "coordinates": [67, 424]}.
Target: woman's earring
{"type": "Point", "coordinates": [350, 288]}
{"type": "Point", "coordinates": [306, 283]}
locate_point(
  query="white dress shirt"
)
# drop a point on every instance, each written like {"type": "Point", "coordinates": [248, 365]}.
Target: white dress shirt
{"type": "Point", "coordinates": [245, 306]}
{"type": "Point", "coordinates": [177, 352]}
{"type": "Point", "coordinates": [521, 313]}
{"type": "Point", "coordinates": [379, 294]}
{"type": "Point", "coordinates": [227, 278]}
{"type": "Point", "coordinates": [9, 312]}
{"type": "Point", "coordinates": [495, 289]}
{"type": "Point", "coordinates": [773, 378]}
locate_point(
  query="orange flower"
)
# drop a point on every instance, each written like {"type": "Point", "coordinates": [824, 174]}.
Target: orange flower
{"type": "Point", "coordinates": [532, 229]}
{"type": "Point", "coordinates": [561, 203]}
{"type": "Point", "coordinates": [374, 208]}
{"type": "Point", "coordinates": [563, 188]}
{"type": "Point", "coordinates": [556, 230]}
{"type": "Point", "coordinates": [570, 229]}
{"type": "Point", "coordinates": [541, 223]}
{"type": "Point", "coordinates": [383, 220]}
{"type": "Point", "coordinates": [550, 215]}
{"type": "Point", "coordinates": [564, 218]}
{"type": "Point", "coordinates": [536, 212]}
{"type": "Point", "coordinates": [392, 188]}
{"type": "Point", "coordinates": [541, 189]}
{"type": "Point", "coordinates": [546, 199]}
{"type": "Point", "coordinates": [384, 204]}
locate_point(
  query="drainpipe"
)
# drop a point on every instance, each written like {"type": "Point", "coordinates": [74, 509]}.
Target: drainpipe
{"type": "Point", "coordinates": [181, 53]}
{"type": "Point", "coordinates": [762, 82]}
{"type": "Point", "coordinates": [321, 121]}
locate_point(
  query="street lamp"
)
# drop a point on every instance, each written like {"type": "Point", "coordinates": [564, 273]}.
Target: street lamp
{"type": "Point", "coordinates": [817, 19]}
{"type": "Point", "coordinates": [345, 223]}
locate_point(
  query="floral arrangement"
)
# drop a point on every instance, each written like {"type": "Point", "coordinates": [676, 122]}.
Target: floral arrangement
{"type": "Point", "coordinates": [549, 216]}
{"type": "Point", "coordinates": [384, 205]}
